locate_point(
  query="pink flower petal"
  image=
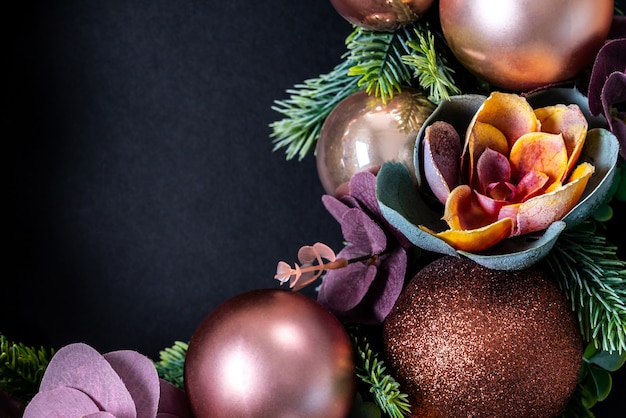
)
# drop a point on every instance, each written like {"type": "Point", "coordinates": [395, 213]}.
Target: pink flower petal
{"type": "Point", "coordinates": [530, 185]}
{"type": "Point", "coordinates": [60, 402]}
{"type": "Point", "coordinates": [442, 153]}
{"type": "Point", "coordinates": [492, 167]}
{"type": "Point", "coordinates": [140, 377]}
{"type": "Point", "coordinates": [81, 367]}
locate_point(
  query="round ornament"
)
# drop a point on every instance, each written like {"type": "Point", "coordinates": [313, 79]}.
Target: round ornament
{"type": "Point", "coordinates": [362, 132]}
{"type": "Point", "coordinates": [381, 15]}
{"type": "Point", "coordinates": [465, 340]}
{"type": "Point", "coordinates": [523, 44]}
{"type": "Point", "coordinates": [270, 353]}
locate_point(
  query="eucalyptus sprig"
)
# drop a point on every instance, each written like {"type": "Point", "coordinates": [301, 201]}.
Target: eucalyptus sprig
{"type": "Point", "coordinates": [171, 364]}
{"type": "Point", "coordinates": [593, 278]}
{"type": "Point", "coordinates": [22, 367]}
{"type": "Point", "coordinates": [382, 386]}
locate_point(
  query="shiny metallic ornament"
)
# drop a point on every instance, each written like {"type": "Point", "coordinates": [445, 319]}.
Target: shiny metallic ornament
{"type": "Point", "coordinates": [381, 15]}
{"type": "Point", "coordinates": [362, 133]}
{"type": "Point", "coordinates": [523, 44]}
{"type": "Point", "coordinates": [270, 353]}
{"type": "Point", "coordinates": [465, 340]}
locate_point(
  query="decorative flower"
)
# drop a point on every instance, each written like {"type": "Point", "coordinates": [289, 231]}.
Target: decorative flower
{"type": "Point", "coordinates": [366, 289]}
{"type": "Point", "coordinates": [607, 85]}
{"type": "Point", "coordinates": [80, 382]}
{"type": "Point", "coordinates": [523, 177]}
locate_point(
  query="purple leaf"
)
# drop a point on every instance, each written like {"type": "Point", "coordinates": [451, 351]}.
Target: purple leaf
{"type": "Point", "coordinates": [173, 401]}
{"type": "Point", "coordinates": [60, 402]}
{"type": "Point", "coordinates": [101, 414]}
{"type": "Point", "coordinates": [81, 367]}
{"type": "Point", "coordinates": [610, 59]}
{"type": "Point", "coordinates": [335, 207]}
{"type": "Point", "coordinates": [140, 377]}
{"type": "Point", "coordinates": [362, 232]}
{"type": "Point", "coordinates": [388, 288]}
{"type": "Point", "coordinates": [363, 189]}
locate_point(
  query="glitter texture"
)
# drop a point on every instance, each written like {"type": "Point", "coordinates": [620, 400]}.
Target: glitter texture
{"type": "Point", "coordinates": [466, 341]}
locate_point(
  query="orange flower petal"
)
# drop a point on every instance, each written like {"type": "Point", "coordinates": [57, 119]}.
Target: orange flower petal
{"type": "Point", "coordinates": [570, 121]}
{"type": "Point", "coordinates": [463, 211]}
{"type": "Point", "coordinates": [539, 152]}
{"type": "Point", "coordinates": [509, 113]}
{"type": "Point", "coordinates": [480, 239]}
{"type": "Point", "coordinates": [539, 212]}
{"type": "Point", "coordinates": [481, 137]}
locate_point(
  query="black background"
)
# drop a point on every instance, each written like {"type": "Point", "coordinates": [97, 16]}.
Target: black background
{"type": "Point", "coordinates": [141, 184]}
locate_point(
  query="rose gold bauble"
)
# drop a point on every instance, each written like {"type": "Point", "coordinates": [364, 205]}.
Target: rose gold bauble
{"type": "Point", "coordinates": [464, 340]}
{"type": "Point", "coordinates": [381, 15]}
{"type": "Point", "coordinates": [270, 353]}
{"type": "Point", "coordinates": [523, 44]}
{"type": "Point", "coordinates": [362, 133]}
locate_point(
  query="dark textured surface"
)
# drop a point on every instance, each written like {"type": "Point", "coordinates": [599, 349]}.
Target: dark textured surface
{"type": "Point", "coordinates": [140, 182]}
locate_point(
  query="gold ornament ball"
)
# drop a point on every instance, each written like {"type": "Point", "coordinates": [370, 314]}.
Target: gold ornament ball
{"type": "Point", "coordinates": [362, 132]}
{"type": "Point", "coordinates": [270, 353]}
{"type": "Point", "coordinates": [464, 340]}
{"type": "Point", "coordinates": [381, 15]}
{"type": "Point", "coordinates": [523, 44]}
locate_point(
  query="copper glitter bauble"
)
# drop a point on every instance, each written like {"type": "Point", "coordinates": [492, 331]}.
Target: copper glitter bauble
{"type": "Point", "coordinates": [270, 353]}
{"type": "Point", "coordinates": [465, 340]}
{"type": "Point", "coordinates": [381, 15]}
{"type": "Point", "coordinates": [362, 132]}
{"type": "Point", "coordinates": [523, 44]}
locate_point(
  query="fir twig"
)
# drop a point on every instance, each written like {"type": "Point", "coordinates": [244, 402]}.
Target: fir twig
{"type": "Point", "coordinates": [382, 386]}
{"type": "Point", "coordinates": [171, 365]}
{"type": "Point", "coordinates": [21, 368]}
{"type": "Point", "coordinates": [306, 109]}
{"type": "Point", "coordinates": [377, 58]}
{"type": "Point", "coordinates": [594, 279]}
{"type": "Point", "coordinates": [429, 66]}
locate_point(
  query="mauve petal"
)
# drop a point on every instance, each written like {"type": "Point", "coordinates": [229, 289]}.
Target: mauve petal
{"type": "Point", "coordinates": [334, 206]}
{"type": "Point", "coordinates": [173, 401]}
{"type": "Point", "coordinates": [81, 367]}
{"type": "Point", "coordinates": [363, 189]}
{"type": "Point", "coordinates": [388, 284]}
{"type": "Point", "coordinates": [610, 59]}
{"type": "Point", "coordinates": [362, 232]}
{"type": "Point", "coordinates": [60, 402]}
{"type": "Point", "coordinates": [492, 167]}
{"type": "Point", "coordinates": [140, 377]}
{"type": "Point", "coordinates": [442, 154]}
{"type": "Point", "coordinates": [344, 289]}
{"type": "Point", "coordinates": [463, 210]}
{"type": "Point", "coordinates": [489, 205]}
{"type": "Point", "coordinates": [530, 185]}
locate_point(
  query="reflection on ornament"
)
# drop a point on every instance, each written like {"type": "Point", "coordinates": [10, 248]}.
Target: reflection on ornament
{"type": "Point", "coordinates": [362, 133]}
{"type": "Point", "coordinates": [381, 15]}
{"type": "Point", "coordinates": [270, 353]}
{"type": "Point", "coordinates": [520, 44]}
{"type": "Point", "coordinates": [465, 340]}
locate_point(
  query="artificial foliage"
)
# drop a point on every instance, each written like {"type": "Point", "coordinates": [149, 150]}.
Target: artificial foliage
{"type": "Point", "coordinates": [22, 367]}
{"type": "Point", "coordinates": [589, 272]}
{"type": "Point", "coordinates": [171, 364]}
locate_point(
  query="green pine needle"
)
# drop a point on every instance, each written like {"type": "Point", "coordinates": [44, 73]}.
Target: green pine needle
{"type": "Point", "coordinates": [594, 279]}
{"type": "Point", "coordinates": [430, 67]}
{"type": "Point", "coordinates": [171, 366]}
{"type": "Point", "coordinates": [382, 386]}
{"type": "Point", "coordinates": [21, 368]}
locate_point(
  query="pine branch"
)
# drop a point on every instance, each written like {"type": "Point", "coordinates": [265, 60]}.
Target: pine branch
{"type": "Point", "coordinates": [21, 368]}
{"type": "Point", "coordinates": [594, 279]}
{"type": "Point", "coordinates": [382, 386]}
{"type": "Point", "coordinates": [378, 63]}
{"type": "Point", "coordinates": [429, 66]}
{"type": "Point", "coordinates": [171, 366]}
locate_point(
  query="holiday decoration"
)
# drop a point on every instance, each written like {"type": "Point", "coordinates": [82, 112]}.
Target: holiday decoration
{"type": "Point", "coordinates": [362, 132]}
{"type": "Point", "coordinates": [381, 15]}
{"type": "Point", "coordinates": [270, 353]}
{"type": "Point", "coordinates": [521, 45]}
{"type": "Point", "coordinates": [465, 340]}
{"type": "Point", "coordinates": [476, 222]}
{"type": "Point", "coordinates": [79, 381]}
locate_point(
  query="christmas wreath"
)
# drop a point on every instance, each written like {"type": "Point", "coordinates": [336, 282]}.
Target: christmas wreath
{"type": "Point", "coordinates": [473, 155]}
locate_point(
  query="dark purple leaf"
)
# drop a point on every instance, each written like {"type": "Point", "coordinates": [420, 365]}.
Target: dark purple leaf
{"type": "Point", "coordinates": [60, 402]}
{"type": "Point", "coordinates": [173, 401]}
{"type": "Point", "coordinates": [363, 233]}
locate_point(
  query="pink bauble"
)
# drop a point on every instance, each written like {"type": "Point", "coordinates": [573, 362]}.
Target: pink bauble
{"type": "Point", "coordinates": [362, 133]}
{"type": "Point", "coordinates": [523, 44]}
{"type": "Point", "coordinates": [270, 353]}
{"type": "Point", "coordinates": [381, 15]}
